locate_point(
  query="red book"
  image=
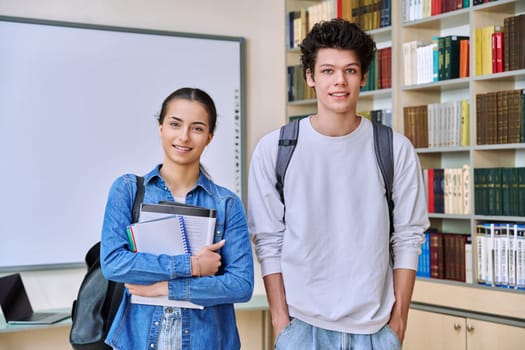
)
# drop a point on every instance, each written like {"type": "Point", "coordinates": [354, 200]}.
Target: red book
{"type": "Point", "coordinates": [438, 6]}
{"type": "Point", "coordinates": [339, 9]}
{"type": "Point", "coordinates": [430, 187]}
{"type": "Point", "coordinates": [497, 52]}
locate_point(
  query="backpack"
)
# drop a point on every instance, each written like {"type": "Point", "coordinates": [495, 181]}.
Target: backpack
{"type": "Point", "coordinates": [98, 298]}
{"type": "Point", "coordinates": [384, 149]}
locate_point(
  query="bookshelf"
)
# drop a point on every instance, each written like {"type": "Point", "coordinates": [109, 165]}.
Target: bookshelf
{"type": "Point", "coordinates": [408, 24]}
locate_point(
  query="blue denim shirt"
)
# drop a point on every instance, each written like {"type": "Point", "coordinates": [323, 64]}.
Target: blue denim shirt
{"type": "Point", "coordinates": [136, 326]}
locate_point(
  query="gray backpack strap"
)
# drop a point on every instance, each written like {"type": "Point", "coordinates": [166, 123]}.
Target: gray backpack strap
{"type": "Point", "coordinates": [287, 142]}
{"type": "Point", "coordinates": [384, 148]}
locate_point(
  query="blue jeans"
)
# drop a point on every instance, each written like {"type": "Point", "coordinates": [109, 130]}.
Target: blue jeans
{"type": "Point", "coordinates": [170, 337]}
{"type": "Point", "coordinates": [301, 335]}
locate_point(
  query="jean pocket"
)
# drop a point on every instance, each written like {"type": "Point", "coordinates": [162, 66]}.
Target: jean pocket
{"type": "Point", "coordinates": [394, 335]}
{"type": "Point", "coordinates": [285, 330]}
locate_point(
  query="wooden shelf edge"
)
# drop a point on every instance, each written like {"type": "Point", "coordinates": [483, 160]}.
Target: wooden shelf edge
{"type": "Point", "coordinates": [485, 300]}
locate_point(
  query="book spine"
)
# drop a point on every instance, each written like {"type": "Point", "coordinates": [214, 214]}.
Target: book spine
{"type": "Point", "coordinates": [522, 115]}
{"type": "Point", "coordinates": [131, 239]}
{"type": "Point", "coordinates": [520, 268]}
{"type": "Point", "coordinates": [468, 261]}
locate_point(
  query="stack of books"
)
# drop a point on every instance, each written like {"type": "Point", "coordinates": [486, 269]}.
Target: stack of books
{"type": "Point", "coordinates": [171, 228]}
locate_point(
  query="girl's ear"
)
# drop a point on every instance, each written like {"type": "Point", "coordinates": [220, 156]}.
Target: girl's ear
{"type": "Point", "coordinates": [210, 137]}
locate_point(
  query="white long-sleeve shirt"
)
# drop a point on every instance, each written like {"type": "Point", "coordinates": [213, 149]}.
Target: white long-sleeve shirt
{"type": "Point", "coordinates": [333, 250]}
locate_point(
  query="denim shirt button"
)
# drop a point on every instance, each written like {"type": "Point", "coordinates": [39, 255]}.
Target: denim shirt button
{"type": "Point", "coordinates": [190, 195]}
{"type": "Point", "coordinates": [186, 331]}
{"type": "Point", "coordinates": [156, 323]}
{"type": "Point", "coordinates": [152, 345]}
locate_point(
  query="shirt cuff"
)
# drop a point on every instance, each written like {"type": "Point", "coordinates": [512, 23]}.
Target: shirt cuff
{"type": "Point", "coordinates": [271, 265]}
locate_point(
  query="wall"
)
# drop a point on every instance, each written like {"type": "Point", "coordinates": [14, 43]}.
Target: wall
{"type": "Point", "coordinates": [261, 23]}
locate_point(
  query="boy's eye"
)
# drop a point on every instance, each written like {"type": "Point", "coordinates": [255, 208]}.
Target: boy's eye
{"type": "Point", "coordinates": [351, 70]}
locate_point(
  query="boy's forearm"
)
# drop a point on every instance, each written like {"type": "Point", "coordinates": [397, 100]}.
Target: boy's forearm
{"type": "Point", "coordinates": [276, 295]}
{"type": "Point", "coordinates": [404, 280]}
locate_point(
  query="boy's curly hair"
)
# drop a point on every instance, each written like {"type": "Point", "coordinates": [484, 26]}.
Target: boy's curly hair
{"type": "Point", "coordinates": [337, 33]}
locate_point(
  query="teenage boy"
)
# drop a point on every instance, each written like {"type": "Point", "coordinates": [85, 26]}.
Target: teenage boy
{"type": "Point", "coordinates": [330, 279]}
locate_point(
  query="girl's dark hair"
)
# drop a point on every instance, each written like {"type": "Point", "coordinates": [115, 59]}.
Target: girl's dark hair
{"type": "Point", "coordinates": [192, 94]}
{"type": "Point", "coordinates": [337, 33]}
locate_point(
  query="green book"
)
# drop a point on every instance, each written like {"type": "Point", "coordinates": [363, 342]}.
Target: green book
{"type": "Point", "coordinates": [451, 59]}
{"type": "Point", "coordinates": [521, 190]}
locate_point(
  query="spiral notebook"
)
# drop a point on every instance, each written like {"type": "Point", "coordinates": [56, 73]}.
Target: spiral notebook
{"type": "Point", "coordinates": [172, 229]}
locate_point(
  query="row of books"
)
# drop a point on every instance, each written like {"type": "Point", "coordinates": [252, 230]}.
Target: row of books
{"type": "Point", "coordinates": [446, 256]}
{"type": "Point", "coordinates": [298, 90]}
{"type": "Point", "coordinates": [501, 254]}
{"type": "Point", "coordinates": [499, 191]}
{"type": "Point", "coordinates": [418, 9]}
{"type": "Point", "coordinates": [500, 117]}
{"type": "Point", "coordinates": [498, 47]}
{"type": "Point", "coordinates": [382, 116]}
{"type": "Point", "coordinates": [300, 22]}
{"type": "Point", "coordinates": [444, 58]}
{"type": "Point", "coordinates": [380, 73]}
{"type": "Point", "coordinates": [370, 14]}
{"type": "Point", "coordinates": [448, 190]}
{"type": "Point", "coordinates": [444, 124]}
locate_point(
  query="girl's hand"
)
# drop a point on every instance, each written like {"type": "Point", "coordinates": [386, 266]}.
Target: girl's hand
{"type": "Point", "coordinates": [206, 262]}
{"type": "Point", "coordinates": [151, 290]}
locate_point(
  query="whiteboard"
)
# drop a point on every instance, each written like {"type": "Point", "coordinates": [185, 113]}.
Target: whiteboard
{"type": "Point", "coordinates": [78, 108]}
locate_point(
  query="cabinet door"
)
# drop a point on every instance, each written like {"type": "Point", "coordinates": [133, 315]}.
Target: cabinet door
{"type": "Point", "coordinates": [432, 331]}
{"type": "Point", "coordinates": [482, 335]}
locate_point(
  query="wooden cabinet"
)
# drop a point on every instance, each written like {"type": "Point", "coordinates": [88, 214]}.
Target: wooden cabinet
{"type": "Point", "coordinates": [436, 331]}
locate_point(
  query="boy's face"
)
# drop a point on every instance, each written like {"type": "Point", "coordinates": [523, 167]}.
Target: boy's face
{"type": "Point", "coordinates": [337, 79]}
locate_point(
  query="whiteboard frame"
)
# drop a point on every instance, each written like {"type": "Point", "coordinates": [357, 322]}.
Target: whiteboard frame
{"type": "Point", "coordinates": [241, 191]}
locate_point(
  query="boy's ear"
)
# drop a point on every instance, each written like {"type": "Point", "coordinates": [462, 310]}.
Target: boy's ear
{"type": "Point", "coordinates": [363, 80]}
{"type": "Point", "coordinates": [309, 78]}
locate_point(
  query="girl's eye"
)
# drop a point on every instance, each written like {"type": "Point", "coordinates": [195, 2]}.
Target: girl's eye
{"type": "Point", "coordinates": [174, 124]}
{"type": "Point", "coordinates": [198, 129]}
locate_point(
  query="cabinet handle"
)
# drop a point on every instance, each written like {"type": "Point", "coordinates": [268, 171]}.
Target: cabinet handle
{"type": "Point", "coordinates": [457, 326]}
{"type": "Point", "coordinates": [470, 328]}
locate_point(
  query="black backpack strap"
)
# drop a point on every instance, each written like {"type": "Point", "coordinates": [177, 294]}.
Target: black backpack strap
{"type": "Point", "coordinates": [384, 148]}
{"type": "Point", "coordinates": [287, 142]}
{"type": "Point", "coordinates": [117, 289]}
{"type": "Point", "coordinates": [93, 255]}
{"type": "Point", "coordinates": [139, 197]}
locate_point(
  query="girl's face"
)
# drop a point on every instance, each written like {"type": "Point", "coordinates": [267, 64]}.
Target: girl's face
{"type": "Point", "coordinates": [184, 132]}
